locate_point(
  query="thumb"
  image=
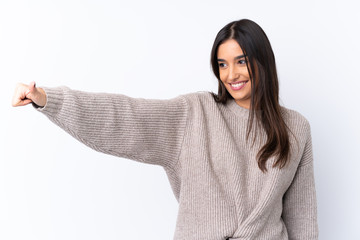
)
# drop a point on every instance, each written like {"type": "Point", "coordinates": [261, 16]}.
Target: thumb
{"type": "Point", "coordinates": [31, 89]}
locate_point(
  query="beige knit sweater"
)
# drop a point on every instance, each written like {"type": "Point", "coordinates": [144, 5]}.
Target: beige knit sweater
{"type": "Point", "coordinates": [212, 170]}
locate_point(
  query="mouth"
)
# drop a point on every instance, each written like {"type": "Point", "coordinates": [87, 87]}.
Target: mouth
{"type": "Point", "coordinates": [238, 85]}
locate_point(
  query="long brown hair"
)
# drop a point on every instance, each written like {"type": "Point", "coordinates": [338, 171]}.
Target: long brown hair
{"type": "Point", "coordinates": [264, 94]}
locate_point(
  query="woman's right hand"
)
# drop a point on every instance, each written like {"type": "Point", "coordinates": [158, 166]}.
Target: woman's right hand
{"type": "Point", "coordinates": [25, 94]}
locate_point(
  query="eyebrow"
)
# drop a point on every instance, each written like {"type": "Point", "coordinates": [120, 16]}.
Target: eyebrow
{"type": "Point", "coordinates": [238, 57]}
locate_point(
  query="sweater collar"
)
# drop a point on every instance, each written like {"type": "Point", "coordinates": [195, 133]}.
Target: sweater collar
{"type": "Point", "coordinates": [237, 109]}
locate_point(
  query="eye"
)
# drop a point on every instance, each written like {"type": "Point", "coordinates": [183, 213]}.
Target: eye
{"type": "Point", "coordinates": [243, 61]}
{"type": "Point", "coordinates": [222, 65]}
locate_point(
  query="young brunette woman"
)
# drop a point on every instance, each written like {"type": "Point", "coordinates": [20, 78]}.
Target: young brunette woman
{"type": "Point", "coordinates": [239, 164]}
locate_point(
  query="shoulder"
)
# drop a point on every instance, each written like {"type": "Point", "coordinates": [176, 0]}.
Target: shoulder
{"type": "Point", "coordinates": [203, 103]}
{"type": "Point", "coordinates": [293, 115]}
{"type": "Point", "coordinates": [204, 97]}
{"type": "Point", "coordinates": [198, 94]}
{"type": "Point", "coordinates": [295, 120]}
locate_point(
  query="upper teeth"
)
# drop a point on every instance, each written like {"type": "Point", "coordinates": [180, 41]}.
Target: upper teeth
{"type": "Point", "coordinates": [238, 84]}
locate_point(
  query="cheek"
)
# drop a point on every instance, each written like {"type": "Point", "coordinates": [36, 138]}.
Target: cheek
{"type": "Point", "coordinates": [222, 77]}
{"type": "Point", "coordinates": [249, 88]}
{"type": "Point", "coordinates": [245, 72]}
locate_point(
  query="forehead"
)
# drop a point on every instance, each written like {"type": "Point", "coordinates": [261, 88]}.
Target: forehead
{"type": "Point", "coordinates": [229, 49]}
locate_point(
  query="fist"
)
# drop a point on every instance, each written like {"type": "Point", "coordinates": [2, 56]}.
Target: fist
{"type": "Point", "coordinates": [25, 94]}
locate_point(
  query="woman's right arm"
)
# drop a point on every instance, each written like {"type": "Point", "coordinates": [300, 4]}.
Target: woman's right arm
{"type": "Point", "coordinates": [145, 130]}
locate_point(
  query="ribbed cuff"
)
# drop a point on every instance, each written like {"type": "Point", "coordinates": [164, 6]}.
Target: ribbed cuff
{"type": "Point", "coordinates": [54, 100]}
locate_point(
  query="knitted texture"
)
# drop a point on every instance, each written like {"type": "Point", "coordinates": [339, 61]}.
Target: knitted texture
{"type": "Point", "coordinates": [212, 168]}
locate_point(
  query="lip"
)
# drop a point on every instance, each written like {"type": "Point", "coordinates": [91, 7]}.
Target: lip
{"type": "Point", "coordinates": [238, 88]}
{"type": "Point", "coordinates": [238, 82]}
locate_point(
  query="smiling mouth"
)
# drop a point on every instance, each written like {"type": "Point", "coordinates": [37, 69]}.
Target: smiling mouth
{"type": "Point", "coordinates": [238, 84]}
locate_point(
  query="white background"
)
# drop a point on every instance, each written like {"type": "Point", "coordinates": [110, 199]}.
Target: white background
{"type": "Point", "coordinates": [53, 187]}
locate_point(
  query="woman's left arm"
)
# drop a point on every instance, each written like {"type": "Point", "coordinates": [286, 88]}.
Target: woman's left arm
{"type": "Point", "coordinates": [299, 202]}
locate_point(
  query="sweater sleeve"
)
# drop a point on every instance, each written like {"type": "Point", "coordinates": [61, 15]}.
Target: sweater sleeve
{"type": "Point", "coordinates": [299, 202]}
{"type": "Point", "coordinates": [144, 130]}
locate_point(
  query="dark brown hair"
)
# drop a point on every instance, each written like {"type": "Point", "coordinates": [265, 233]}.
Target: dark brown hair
{"type": "Point", "coordinates": [264, 94]}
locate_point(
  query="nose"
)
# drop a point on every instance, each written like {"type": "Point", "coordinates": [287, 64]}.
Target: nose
{"type": "Point", "coordinates": [233, 73]}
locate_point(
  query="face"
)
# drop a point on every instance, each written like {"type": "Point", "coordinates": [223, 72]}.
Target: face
{"type": "Point", "coordinates": [234, 73]}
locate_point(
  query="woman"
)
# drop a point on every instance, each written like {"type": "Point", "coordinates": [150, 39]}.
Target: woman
{"type": "Point", "coordinates": [240, 165]}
